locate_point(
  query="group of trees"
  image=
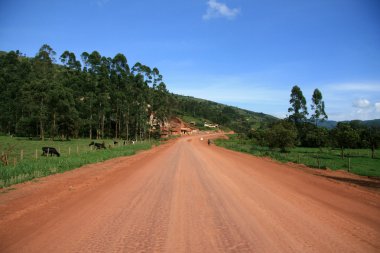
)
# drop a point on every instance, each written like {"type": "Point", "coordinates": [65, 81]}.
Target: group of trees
{"type": "Point", "coordinates": [95, 97]}
{"type": "Point", "coordinates": [298, 130]}
{"type": "Point", "coordinates": [98, 97]}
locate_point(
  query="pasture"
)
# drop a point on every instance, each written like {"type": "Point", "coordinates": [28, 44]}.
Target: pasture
{"type": "Point", "coordinates": [26, 162]}
{"type": "Point", "coordinates": [357, 161]}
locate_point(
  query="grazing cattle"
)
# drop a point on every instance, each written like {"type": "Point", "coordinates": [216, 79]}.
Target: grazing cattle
{"type": "Point", "coordinates": [98, 145]}
{"type": "Point", "coordinates": [50, 150]}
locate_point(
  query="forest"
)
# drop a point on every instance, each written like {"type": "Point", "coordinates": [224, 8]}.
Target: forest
{"type": "Point", "coordinates": [91, 97]}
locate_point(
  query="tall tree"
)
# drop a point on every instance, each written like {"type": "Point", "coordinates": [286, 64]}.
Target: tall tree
{"type": "Point", "coordinates": [38, 91]}
{"type": "Point", "coordinates": [318, 106]}
{"type": "Point", "coordinates": [119, 79]}
{"type": "Point", "coordinates": [298, 107]}
{"type": "Point", "coordinates": [15, 72]}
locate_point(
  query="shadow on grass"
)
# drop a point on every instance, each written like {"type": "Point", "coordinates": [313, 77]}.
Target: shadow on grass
{"type": "Point", "coordinates": [370, 184]}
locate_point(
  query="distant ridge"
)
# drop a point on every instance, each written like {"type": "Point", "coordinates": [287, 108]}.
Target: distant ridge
{"type": "Point", "coordinates": [234, 118]}
{"type": "Point", "coordinates": [330, 124]}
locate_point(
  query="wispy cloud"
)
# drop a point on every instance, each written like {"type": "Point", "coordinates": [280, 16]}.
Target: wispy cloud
{"type": "Point", "coordinates": [377, 107]}
{"type": "Point", "coordinates": [361, 103]}
{"type": "Point", "coordinates": [101, 3]}
{"type": "Point", "coordinates": [372, 87]}
{"type": "Point", "coordinates": [219, 10]}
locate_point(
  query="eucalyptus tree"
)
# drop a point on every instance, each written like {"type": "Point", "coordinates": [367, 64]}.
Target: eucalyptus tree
{"type": "Point", "coordinates": [298, 107]}
{"type": "Point", "coordinates": [35, 94]}
{"type": "Point", "coordinates": [318, 106]}
{"type": "Point", "coordinates": [65, 96]}
{"type": "Point", "coordinates": [119, 94]}
{"type": "Point", "coordinates": [15, 71]}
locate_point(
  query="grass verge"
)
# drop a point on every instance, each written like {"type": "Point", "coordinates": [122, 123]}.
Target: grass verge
{"type": "Point", "coordinates": [357, 161]}
{"type": "Point", "coordinates": [74, 154]}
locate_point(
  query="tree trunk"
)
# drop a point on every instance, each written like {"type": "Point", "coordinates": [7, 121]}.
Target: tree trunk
{"type": "Point", "coordinates": [91, 126]}
{"type": "Point", "coordinates": [116, 123]}
{"type": "Point", "coordinates": [42, 134]}
{"type": "Point", "coordinates": [127, 124]}
{"type": "Point", "coordinates": [137, 128]}
{"type": "Point", "coordinates": [54, 125]}
{"type": "Point", "coordinates": [102, 126]}
{"type": "Point", "coordinates": [119, 127]}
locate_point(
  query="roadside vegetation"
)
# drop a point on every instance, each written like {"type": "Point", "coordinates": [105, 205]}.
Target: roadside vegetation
{"type": "Point", "coordinates": [352, 146]}
{"type": "Point", "coordinates": [91, 96]}
{"type": "Point", "coordinates": [26, 162]}
{"type": "Point", "coordinates": [358, 161]}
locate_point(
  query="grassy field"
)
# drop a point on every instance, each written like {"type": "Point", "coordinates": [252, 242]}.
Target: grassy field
{"type": "Point", "coordinates": [26, 162]}
{"type": "Point", "coordinates": [357, 161]}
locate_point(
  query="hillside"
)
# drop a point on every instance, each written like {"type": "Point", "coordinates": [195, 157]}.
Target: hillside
{"type": "Point", "coordinates": [236, 119]}
{"type": "Point", "coordinates": [330, 124]}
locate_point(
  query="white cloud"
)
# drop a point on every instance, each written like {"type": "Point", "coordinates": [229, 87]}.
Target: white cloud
{"type": "Point", "coordinates": [377, 107]}
{"type": "Point", "coordinates": [216, 10]}
{"type": "Point", "coordinates": [361, 103]}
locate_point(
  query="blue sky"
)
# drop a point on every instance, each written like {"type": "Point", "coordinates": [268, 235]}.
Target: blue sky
{"type": "Point", "coordinates": [239, 52]}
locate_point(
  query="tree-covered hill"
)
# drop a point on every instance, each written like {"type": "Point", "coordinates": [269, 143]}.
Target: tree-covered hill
{"type": "Point", "coordinates": [236, 119]}
{"type": "Point", "coordinates": [97, 96]}
{"type": "Point", "coordinates": [330, 124]}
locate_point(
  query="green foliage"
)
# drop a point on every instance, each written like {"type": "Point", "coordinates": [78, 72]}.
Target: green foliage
{"type": "Point", "coordinates": [104, 99]}
{"type": "Point", "coordinates": [345, 137]}
{"type": "Point", "coordinates": [239, 120]}
{"type": "Point", "coordinates": [74, 154]}
{"type": "Point", "coordinates": [318, 106]}
{"type": "Point", "coordinates": [297, 107]}
{"type": "Point", "coordinates": [360, 159]}
{"type": "Point", "coordinates": [282, 134]}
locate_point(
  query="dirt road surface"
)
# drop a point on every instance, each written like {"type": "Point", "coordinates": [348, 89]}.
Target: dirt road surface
{"type": "Point", "coordinates": [186, 196]}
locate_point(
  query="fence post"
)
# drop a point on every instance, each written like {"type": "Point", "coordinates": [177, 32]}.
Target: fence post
{"type": "Point", "coordinates": [14, 162]}
{"type": "Point", "coordinates": [299, 160]}
{"type": "Point", "coordinates": [36, 154]}
{"type": "Point", "coordinates": [77, 149]}
{"type": "Point", "coordinates": [69, 150]}
{"type": "Point", "coordinates": [21, 154]}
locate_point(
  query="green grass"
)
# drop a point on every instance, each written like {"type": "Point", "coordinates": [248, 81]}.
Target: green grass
{"type": "Point", "coordinates": [74, 154]}
{"type": "Point", "coordinates": [359, 159]}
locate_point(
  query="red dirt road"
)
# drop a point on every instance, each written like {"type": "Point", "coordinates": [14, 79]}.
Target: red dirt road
{"type": "Point", "coordinates": [186, 196]}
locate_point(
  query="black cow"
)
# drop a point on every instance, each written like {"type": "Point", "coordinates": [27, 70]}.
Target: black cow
{"type": "Point", "coordinates": [98, 145]}
{"type": "Point", "coordinates": [49, 150]}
